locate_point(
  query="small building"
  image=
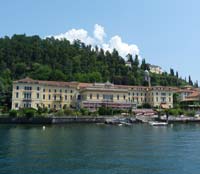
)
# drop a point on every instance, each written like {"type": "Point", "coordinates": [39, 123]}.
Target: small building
{"type": "Point", "coordinates": [192, 101]}
{"type": "Point", "coordinates": [155, 69]}
{"type": "Point", "coordinates": [128, 64]}
{"type": "Point", "coordinates": [161, 96]}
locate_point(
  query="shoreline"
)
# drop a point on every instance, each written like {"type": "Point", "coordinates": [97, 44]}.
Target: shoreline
{"type": "Point", "coordinates": [86, 119]}
{"type": "Point", "coordinates": [52, 120]}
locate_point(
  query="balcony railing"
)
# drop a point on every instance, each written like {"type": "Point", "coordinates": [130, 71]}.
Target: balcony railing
{"type": "Point", "coordinates": [27, 100]}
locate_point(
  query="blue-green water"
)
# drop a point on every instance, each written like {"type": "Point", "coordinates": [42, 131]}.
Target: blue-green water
{"type": "Point", "coordinates": [99, 149]}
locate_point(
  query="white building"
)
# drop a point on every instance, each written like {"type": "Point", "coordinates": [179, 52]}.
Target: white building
{"type": "Point", "coordinates": [155, 69]}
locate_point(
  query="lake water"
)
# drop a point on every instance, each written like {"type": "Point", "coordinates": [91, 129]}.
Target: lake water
{"type": "Point", "coordinates": [100, 149]}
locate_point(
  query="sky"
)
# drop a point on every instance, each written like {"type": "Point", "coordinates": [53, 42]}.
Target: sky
{"type": "Point", "coordinates": [165, 33]}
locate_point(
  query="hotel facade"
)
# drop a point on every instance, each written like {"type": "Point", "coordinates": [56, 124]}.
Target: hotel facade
{"type": "Point", "coordinates": [29, 93]}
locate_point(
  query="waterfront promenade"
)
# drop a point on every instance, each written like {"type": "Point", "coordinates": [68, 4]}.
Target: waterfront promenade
{"type": "Point", "coordinates": [94, 119]}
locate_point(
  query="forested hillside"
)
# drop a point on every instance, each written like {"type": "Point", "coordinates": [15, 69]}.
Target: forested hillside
{"type": "Point", "coordinates": [51, 59]}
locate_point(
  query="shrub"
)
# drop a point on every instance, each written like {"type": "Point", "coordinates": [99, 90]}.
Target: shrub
{"type": "Point", "coordinates": [60, 113]}
{"type": "Point", "coordinates": [13, 113]}
{"type": "Point", "coordinates": [68, 112]}
{"type": "Point", "coordinates": [105, 111]}
{"type": "Point", "coordinates": [93, 113]}
{"type": "Point", "coordinates": [176, 112]}
{"type": "Point", "coordinates": [42, 110]}
{"type": "Point", "coordinates": [29, 112]}
{"type": "Point", "coordinates": [190, 113]}
{"type": "Point", "coordinates": [173, 112]}
{"type": "Point", "coordinates": [146, 105]}
{"type": "Point", "coordinates": [84, 111]}
{"type": "Point", "coordinates": [76, 113]}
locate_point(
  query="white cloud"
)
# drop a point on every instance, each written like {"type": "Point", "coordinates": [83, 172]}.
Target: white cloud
{"type": "Point", "coordinates": [122, 47]}
{"type": "Point", "coordinates": [75, 34]}
{"type": "Point", "coordinates": [99, 32]}
{"type": "Point", "coordinates": [98, 39]}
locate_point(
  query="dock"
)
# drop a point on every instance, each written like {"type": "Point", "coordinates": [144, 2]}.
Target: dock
{"type": "Point", "coordinates": [180, 119]}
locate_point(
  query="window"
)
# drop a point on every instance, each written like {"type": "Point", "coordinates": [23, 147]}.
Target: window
{"type": "Point", "coordinates": [27, 105]}
{"type": "Point", "coordinates": [49, 90]}
{"type": "Point", "coordinates": [38, 95]}
{"type": "Point", "coordinates": [17, 95]}
{"type": "Point", "coordinates": [49, 106]}
{"type": "Point", "coordinates": [54, 97]}
{"type": "Point", "coordinates": [90, 96]}
{"type": "Point", "coordinates": [157, 99]}
{"type": "Point", "coordinates": [117, 97]}
{"type": "Point", "coordinates": [38, 88]}
{"type": "Point", "coordinates": [16, 105]}
{"type": "Point", "coordinates": [108, 97]}
{"type": "Point", "coordinates": [65, 97]}
{"type": "Point", "coordinates": [71, 91]}
{"type": "Point", "coordinates": [43, 97]}
{"type": "Point", "coordinates": [55, 90]}
{"type": "Point", "coordinates": [49, 97]}
{"type": "Point", "coordinates": [124, 97]}
{"type": "Point", "coordinates": [65, 91]}
{"type": "Point", "coordinates": [163, 99]}
{"type": "Point", "coordinates": [17, 87]}
{"type": "Point", "coordinates": [71, 97]}
{"type": "Point", "coordinates": [37, 105]}
{"type": "Point", "coordinates": [141, 94]}
{"type": "Point", "coordinates": [27, 95]}
{"type": "Point", "coordinates": [97, 96]}
{"type": "Point", "coordinates": [54, 106]}
{"type": "Point", "coordinates": [60, 106]}
{"type": "Point", "coordinates": [60, 97]}
{"type": "Point", "coordinates": [169, 99]}
{"type": "Point", "coordinates": [60, 90]}
{"type": "Point", "coordinates": [44, 90]}
{"type": "Point", "coordinates": [27, 88]}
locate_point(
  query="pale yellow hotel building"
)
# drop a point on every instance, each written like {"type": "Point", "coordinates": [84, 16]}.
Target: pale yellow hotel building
{"type": "Point", "coordinates": [57, 95]}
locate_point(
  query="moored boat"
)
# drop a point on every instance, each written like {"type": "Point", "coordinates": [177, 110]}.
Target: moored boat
{"type": "Point", "coordinates": [157, 123]}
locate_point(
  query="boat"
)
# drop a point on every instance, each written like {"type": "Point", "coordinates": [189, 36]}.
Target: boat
{"type": "Point", "coordinates": [157, 123]}
{"type": "Point", "coordinates": [125, 123]}
{"type": "Point", "coordinates": [119, 121]}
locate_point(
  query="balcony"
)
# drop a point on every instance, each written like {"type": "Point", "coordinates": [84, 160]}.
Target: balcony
{"type": "Point", "coordinates": [27, 100]}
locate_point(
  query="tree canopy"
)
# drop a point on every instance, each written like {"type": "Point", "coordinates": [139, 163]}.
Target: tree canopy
{"type": "Point", "coordinates": [53, 59]}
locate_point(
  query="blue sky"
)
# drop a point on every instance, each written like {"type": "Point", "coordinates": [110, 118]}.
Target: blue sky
{"type": "Point", "coordinates": [167, 33]}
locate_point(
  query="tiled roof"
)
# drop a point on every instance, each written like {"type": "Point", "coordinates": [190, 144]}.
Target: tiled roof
{"type": "Point", "coordinates": [84, 85]}
{"type": "Point", "coordinates": [44, 82]}
{"type": "Point", "coordinates": [185, 90]}
{"type": "Point", "coordinates": [194, 94]}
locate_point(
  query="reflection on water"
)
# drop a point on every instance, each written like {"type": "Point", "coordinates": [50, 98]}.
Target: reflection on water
{"type": "Point", "coordinates": [90, 148]}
